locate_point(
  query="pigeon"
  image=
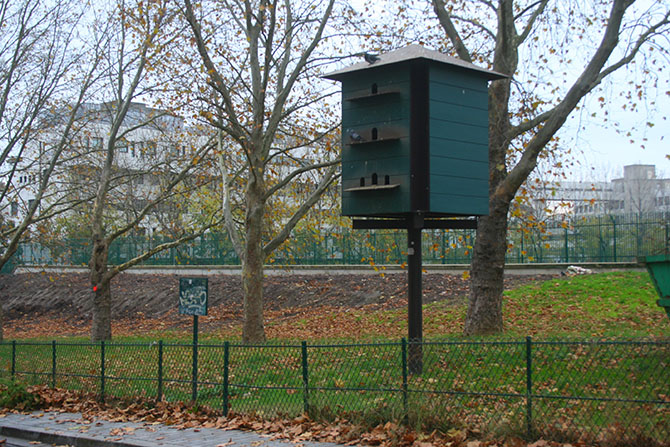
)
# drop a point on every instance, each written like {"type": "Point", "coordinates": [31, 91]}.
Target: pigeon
{"type": "Point", "coordinates": [354, 136]}
{"type": "Point", "coordinates": [370, 58]}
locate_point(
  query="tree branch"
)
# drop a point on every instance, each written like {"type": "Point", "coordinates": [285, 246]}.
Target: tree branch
{"type": "Point", "coordinates": [584, 84]}
{"type": "Point", "coordinates": [286, 180]}
{"type": "Point", "coordinates": [541, 6]}
{"type": "Point", "coordinates": [111, 273]}
{"type": "Point", "coordinates": [451, 31]}
{"type": "Point", "coordinates": [285, 232]}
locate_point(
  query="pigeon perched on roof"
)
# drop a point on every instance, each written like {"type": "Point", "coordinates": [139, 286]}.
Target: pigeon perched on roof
{"type": "Point", "coordinates": [354, 136]}
{"type": "Point", "coordinates": [370, 58]}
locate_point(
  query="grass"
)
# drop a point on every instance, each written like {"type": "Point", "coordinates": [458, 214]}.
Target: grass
{"type": "Point", "coordinates": [480, 384]}
{"type": "Point", "coordinates": [616, 304]}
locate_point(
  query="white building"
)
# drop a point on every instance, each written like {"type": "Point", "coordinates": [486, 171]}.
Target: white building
{"type": "Point", "coordinates": [153, 145]}
{"type": "Point", "coordinates": [638, 191]}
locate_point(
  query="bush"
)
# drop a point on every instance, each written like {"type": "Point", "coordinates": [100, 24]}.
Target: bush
{"type": "Point", "coordinates": [15, 395]}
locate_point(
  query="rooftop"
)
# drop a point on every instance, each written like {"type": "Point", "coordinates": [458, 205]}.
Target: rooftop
{"type": "Point", "coordinates": [412, 52]}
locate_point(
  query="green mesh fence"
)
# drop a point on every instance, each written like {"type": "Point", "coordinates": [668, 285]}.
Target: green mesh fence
{"type": "Point", "coordinates": [620, 238]}
{"type": "Point", "coordinates": [602, 392]}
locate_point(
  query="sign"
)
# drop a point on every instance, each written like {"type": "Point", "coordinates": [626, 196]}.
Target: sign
{"type": "Point", "coordinates": [193, 294]}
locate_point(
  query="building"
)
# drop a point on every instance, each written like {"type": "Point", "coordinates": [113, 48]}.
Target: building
{"type": "Point", "coordinates": [153, 146]}
{"type": "Point", "coordinates": [638, 191]}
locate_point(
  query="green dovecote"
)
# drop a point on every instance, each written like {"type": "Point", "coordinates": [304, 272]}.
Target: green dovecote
{"type": "Point", "coordinates": [414, 135]}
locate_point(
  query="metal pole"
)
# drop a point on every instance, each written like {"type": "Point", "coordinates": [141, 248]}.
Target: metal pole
{"type": "Point", "coordinates": [226, 371]}
{"type": "Point", "coordinates": [102, 371]}
{"type": "Point", "coordinates": [414, 301]}
{"type": "Point", "coordinates": [305, 378]}
{"type": "Point", "coordinates": [614, 237]}
{"type": "Point", "coordinates": [13, 358]}
{"type": "Point", "coordinates": [444, 249]}
{"type": "Point", "coordinates": [53, 363]}
{"type": "Point", "coordinates": [194, 381]}
{"type": "Point", "coordinates": [404, 379]}
{"type": "Point", "coordinates": [529, 388]}
{"type": "Point", "coordinates": [160, 370]}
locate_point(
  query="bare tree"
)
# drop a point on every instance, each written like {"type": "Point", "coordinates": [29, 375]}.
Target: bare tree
{"type": "Point", "coordinates": [127, 157]}
{"type": "Point", "coordinates": [45, 75]}
{"type": "Point", "coordinates": [526, 112]}
{"type": "Point", "coordinates": [261, 60]}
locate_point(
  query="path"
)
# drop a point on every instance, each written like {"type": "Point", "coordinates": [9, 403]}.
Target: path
{"type": "Point", "coordinates": [70, 429]}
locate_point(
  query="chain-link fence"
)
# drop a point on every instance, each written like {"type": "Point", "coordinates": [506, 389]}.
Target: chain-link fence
{"type": "Point", "coordinates": [615, 392]}
{"type": "Point", "coordinates": [615, 238]}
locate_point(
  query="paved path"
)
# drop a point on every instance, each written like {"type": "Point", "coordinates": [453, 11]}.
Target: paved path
{"type": "Point", "coordinates": [69, 429]}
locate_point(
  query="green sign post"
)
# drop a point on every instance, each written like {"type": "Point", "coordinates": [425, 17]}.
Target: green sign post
{"type": "Point", "coordinates": [193, 298]}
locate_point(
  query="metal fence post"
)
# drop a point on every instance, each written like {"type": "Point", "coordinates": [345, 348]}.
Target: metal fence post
{"type": "Point", "coordinates": [226, 371]}
{"type": "Point", "coordinates": [194, 371]}
{"type": "Point", "coordinates": [404, 378]}
{"type": "Point", "coordinates": [102, 371]}
{"type": "Point", "coordinates": [53, 363]}
{"type": "Point", "coordinates": [160, 371]}
{"type": "Point", "coordinates": [305, 378]}
{"type": "Point", "coordinates": [13, 358]}
{"type": "Point", "coordinates": [614, 238]}
{"type": "Point", "coordinates": [529, 387]}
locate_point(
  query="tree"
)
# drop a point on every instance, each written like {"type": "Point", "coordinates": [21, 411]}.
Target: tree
{"type": "Point", "coordinates": [521, 40]}
{"type": "Point", "coordinates": [41, 62]}
{"type": "Point", "coordinates": [261, 64]}
{"type": "Point", "coordinates": [139, 145]}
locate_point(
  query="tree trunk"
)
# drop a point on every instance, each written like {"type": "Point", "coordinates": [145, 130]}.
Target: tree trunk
{"type": "Point", "coordinates": [484, 314]}
{"type": "Point", "coordinates": [253, 330]}
{"type": "Point", "coordinates": [101, 328]}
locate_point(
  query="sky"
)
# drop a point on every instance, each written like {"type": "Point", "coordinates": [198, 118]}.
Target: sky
{"type": "Point", "coordinates": [601, 148]}
{"type": "Point", "coordinates": [602, 152]}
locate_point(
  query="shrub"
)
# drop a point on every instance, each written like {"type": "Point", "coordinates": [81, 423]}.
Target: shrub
{"type": "Point", "coordinates": [15, 395]}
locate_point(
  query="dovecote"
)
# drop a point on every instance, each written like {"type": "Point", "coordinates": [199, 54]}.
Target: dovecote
{"type": "Point", "coordinates": [414, 135]}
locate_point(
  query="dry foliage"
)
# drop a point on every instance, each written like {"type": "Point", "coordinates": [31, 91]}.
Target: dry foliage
{"type": "Point", "coordinates": [296, 430]}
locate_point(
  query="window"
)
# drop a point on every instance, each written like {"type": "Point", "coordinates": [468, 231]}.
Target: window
{"type": "Point", "coordinates": [122, 146]}
{"type": "Point", "coordinates": [96, 142]}
{"type": "Point", "coordinates": [151, 149]}
{"type": "Point", "coordinates": [15, 209]}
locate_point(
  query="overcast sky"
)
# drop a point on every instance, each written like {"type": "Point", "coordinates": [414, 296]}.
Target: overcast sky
{"type": "Point", "coordinates": [601, 147]}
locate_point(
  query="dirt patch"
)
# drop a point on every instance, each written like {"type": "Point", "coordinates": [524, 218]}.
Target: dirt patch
{"type": "Point", "coordinates": [151, 300]}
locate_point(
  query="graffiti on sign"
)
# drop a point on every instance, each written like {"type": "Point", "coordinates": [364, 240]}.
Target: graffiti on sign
{"type": "Point", "coordinates": [193, 296]}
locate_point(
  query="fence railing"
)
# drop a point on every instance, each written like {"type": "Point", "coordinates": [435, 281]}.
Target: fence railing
{"type": "Point", "coordinates": [616, 238]}
{"type": "Point", "coordinates": [593, 391]}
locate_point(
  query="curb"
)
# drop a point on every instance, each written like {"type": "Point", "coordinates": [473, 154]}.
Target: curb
{"type": "Point", "coordinates": [208, 270]}
{"type": "Point", "coordinates": [74, 439]}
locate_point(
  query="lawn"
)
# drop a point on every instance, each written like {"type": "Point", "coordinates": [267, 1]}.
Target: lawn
{"type": "Point", "coordinates": [606, 305]}
{"type": "Point", "coordinates": [598, 364]}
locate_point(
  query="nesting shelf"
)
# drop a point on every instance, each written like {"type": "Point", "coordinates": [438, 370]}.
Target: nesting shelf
{"type": "Point", "coordinates": [371, 188]}
{"type": "Point", "coordinates": [366, 96]}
